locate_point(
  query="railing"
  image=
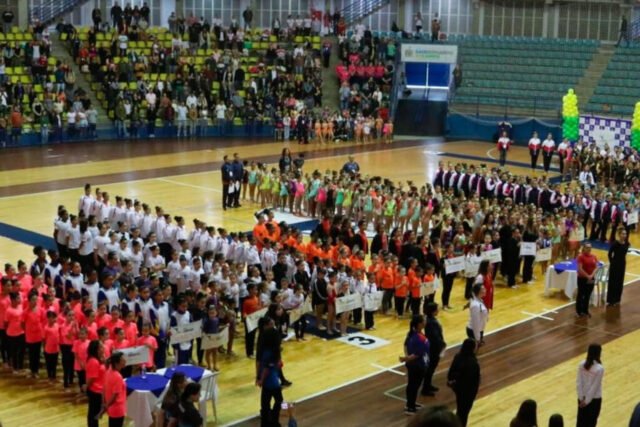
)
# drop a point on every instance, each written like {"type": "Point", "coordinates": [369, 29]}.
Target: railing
{"type": "Point", "coordinates": [359, 9]}
{"type": "Point", "coordinates": [508, 106]}
{"type": "Point", "coordinates": [48, 10]}
{"type": "Point", "coordinates": [634, 30]}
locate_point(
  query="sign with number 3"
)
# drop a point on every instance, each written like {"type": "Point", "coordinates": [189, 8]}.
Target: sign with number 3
{"type": "Point", "coordinates": [363, 341]}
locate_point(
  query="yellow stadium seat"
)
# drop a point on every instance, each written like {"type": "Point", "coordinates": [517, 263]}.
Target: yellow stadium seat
{"type": "Point", "coordinates": [25, 79]}
{"type": "Point", "coordinates": [63, 36]}
{"type": "Point", "coordinates": [201, 52]}
{"type": "Point", "coordinates": [133, 86]}
{"type": "Point", "coordinates": [37, 88]}
{"type": "Point", "coordinates": [298, 39]}
{"type": "Point", "coordinates": [8, 71]}
{"type": "Point", "coordinates": [15, 29]}
{"type": "Point", "coordinates": [237, 121]}
{"type": "Point", "coordinates": [15, 79]}
{"type": "Point", "coordinates": [1, 36]}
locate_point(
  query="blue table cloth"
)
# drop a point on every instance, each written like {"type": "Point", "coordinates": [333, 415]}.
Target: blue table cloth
{"type": "Point", "coordinates": [571, 265]}
{"type": "Point", "coordinates": [150, 382]}
{"type": "Point", "coordinates": [194, 373]}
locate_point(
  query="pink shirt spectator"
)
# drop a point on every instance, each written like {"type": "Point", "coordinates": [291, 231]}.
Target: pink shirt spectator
{"type": "Point", "coordinates": [33, 325]}
{"type": "Point", "coordinates": [153, 346]}
{"type": "Point", "coordinates": [13, 320]}
{"type": "Point", "coordinates": [80, 351]}
{"type": "Point", "coordinates": [114, 385]}
{"type": "Point", "coordinates": [52, 339]}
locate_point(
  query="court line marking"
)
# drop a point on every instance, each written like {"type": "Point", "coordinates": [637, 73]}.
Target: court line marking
{"type": "Point", "coordinates": [187, 174]}
{"type": "Point", "coordinates": [373, 374]}
{"type": "Point", "coordinates": [533, 315]}
{"type": "Point", "coordinates": [184, 184]}
{"type": "Point", "coordinates": [382, 368]}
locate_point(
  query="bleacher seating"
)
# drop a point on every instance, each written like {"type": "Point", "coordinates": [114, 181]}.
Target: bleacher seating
{"type": "Point", "coordinates": [518, 71]}
{"type": "Point", "coordinates": [618, 88]}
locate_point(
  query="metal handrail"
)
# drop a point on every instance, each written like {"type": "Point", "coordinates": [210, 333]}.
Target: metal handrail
{"type": "Point", "coordinates": [48, 10]}
{"type": "Point", "coordinates": [359, 9]}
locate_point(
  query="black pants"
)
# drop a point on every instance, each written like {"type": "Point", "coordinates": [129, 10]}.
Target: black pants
{"type": "Point", "coordinates": [368, 319]}
{"type": "Point", "coordinates": [160, 356]}
{"type": "Point", "coordinates": [434, 36]}
{"type": "Point", "coordinates": [603, 230]}
{"type": "Point", "coordinates": [534, 159]}
{"type": "Point", "coordinates": [415, 376]}
{"type": "Point", "coordinates": [270, 416]}
{"type": "Point", "coordinates": [67, 365]}
{"type": "Point", "coordinates": [4, 348]}
{"type": "Point", "coordinates": [561, 162]}
{"type": "Point", "coordinates": [51, 362]}
{"type": "Point", "coordinates": [468, 287]}
{"type": "Point", "coordinates": [226, 198]}
{"type": "Point", "coordinates": [357, 315]}
{"type": "Point", "coordinates": [95, 404]}
{"type": "Point", "coordinates": [527, 268]}
{"type": "Point", "coordinates": [471, 335]}
{"type": "Point", "coordinates": [235, 196]}
{"type": "Point", "coordinates": [464, 403]}
{"type": "Point", "coordinates": [447, 286]}
{"type": "Point", "coordinates": [434, 360]}
{"type": "Point", "coordinates": [82, 377]}
{"type": "Point", "coordinates": [300, 326]}
{"type": "Point", "coordinates": [546, 160]}
{"type": "Point", "coordinates": [249, 340]}
{"type": "Point", "coordinates": [588, 416]}
{"type": "Point", "coordinates": [399, 302]}
{"type": "Point", "coordinates": [199, 350]}
{"type": "Point", "coordinates": [503, 157]}
{"type": "Point", "coordinates": [585, 288]}
{"type": "Point", "coordinates": [34, 357]}
{"type": "Point", "coordinates": [616, 282]}
{"type": "Point", "coordinates": [415, 305]}
{"type": "Point", "coordinates": [116, 422]}
{"type": "Point", "coordinates": [16, 351]}
{"type": "Point", "coordinates": [387, 297]}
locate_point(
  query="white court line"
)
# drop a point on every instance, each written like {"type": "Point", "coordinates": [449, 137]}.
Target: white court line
{"type": "Point", "coordinates": [489, 155]}
{"type": "Point", "coordinates": [184, 184]}
{"type": "Point", "coordinates": [637, 276]}
{"type": "Point", "coordinates": [537, 315]}
{"type": "Point", "coordinates": [382, 368]}
{"type": "Point", "coordinates": [373, 374]}
{"type": "Point", "coordinates": [215, 171]}
{"type": "Point", "coordinates": [551, 310]}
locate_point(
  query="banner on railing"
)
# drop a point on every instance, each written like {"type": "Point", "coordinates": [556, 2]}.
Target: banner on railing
{"type": "Point", "coordinates": [436, 53]}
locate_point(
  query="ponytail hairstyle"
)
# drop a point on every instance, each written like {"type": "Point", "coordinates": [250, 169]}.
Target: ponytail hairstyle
{"type": "Point", "coordinates": [415, 321]}
{"type": "Point", "coordinates": [593, 355]}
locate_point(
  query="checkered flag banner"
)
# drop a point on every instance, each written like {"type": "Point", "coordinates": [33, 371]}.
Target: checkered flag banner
{"type": "Point", "coordinates": [605, 130]}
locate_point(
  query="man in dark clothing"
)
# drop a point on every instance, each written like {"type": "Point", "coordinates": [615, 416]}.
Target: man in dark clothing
{"type": "Point", "coordinates": [433, 332]}
{"type": "Point", "coordinates": [302, 127]}
{"type": "Point", "coordinates": [116, 15]}
{"type": "Point", "coordinates": [301, 277]}
{"type": "Point", "coordinates": [238, 172]}
{"type": "Point", "coordinates": [247, 16]}
{"type": "Point", "coordinates": [511, 257]}
{"type": "Point", "coordinates": [7, 19]}
{"type": "Point", "coordinates": [624, 32]}
{"type": "Point", "coordinates": [227, 180]}
{"type": "Point", "coordinates": [96, 16]}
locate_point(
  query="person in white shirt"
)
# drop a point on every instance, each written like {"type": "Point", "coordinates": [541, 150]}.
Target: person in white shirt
{"type": "Point", "coordinates": [504, 142]}
{"type": "Point", "coordinates": [586, 177]}
{"type": "Point", "coordinates": [73, 238]}
{"type": "Point", "coordinates": [563, 150]}
{"type": "Point", "coordinates": [221, 111]}
{"type": "Point", "coordinates": [589, 387]}
{"type": "Point", "coordinates": [181, 119]}
{"type": "Point", "coordinates": [85, 204]}
{"type": "Point", "coordinates": [534, 150]}
{"type": "Point", "coordinates": [61, 226]}
{"type": "Point", "coordinates": [478, 315]}
{"type": "Point", "coordinates": [192, 101]}
{"type": "Point", "coordinates": [548, 148]}
{"type": "Point", "coordinates": [86, 248]}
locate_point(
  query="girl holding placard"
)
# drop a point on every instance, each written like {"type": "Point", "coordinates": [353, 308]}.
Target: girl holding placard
{"type": "Point", "coordinates": [211, 325]}
{"type": "Point", "coordinates": [529, 236]}
{"type": "Point", "coordinates": [544, 242]}
{"type": "Point", "coordinates": [369, 312]}
{"type": "Point", "coordinates": [447, 279]}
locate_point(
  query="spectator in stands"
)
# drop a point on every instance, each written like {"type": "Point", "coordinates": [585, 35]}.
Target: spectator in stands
{"type": "Point", "coordinates": [417, 21]}
{"type": "Point", "coordinates": [116, 15]}
{"type": "Point", "coordinates": [624, 31]}
{"type": "Point", "coordinates": [7, 19]}
{"type": "Point", "coordinates": [16, 125]}
{"type": "Point", "coordinates": [96, 17]}
{"type": "Point", "coordinates": [435, 28]}
{"type": "Point", "coordinates": [247, 17]}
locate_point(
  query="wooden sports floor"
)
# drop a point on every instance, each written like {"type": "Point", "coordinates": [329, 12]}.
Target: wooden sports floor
{"type": "Point", "coordinates": [534, 342]}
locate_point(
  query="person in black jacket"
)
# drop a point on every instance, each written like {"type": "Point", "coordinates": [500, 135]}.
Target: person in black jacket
{"type": "Point", "coordinates": [464, 379]}
{"type": "Point", "coordinates": [511, 257]}
{"type": "Point", "coordinates": [380, 241]}
{"type": "Point", "coordinates": [433, 331]}
{"type": "Point", "coordinates": [301, 277]}
{"type": "Point", "coordinates": [190, 416]}
{"type": "Point", "coordinates": [227, 180]}
{"type": "Point", "coordinates": [617, 266]}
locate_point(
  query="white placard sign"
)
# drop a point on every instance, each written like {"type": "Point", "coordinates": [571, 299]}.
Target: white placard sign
{"type": "Point", "coordinates": [363, 341]}
{"type": "Point", "coordinates": [632, 218]}
{"type": "Point", "coordinates": [215, 340]}
{"type": "Point", "coordinates": [528, 248]}
{"type": "Point", "coordinates": [472, 265]}
{"type": "Point", "coordinates": [296, 313]}
{"type": "Point", "coordinates": [453, 265]}
{"type": "Point", "coordinates": [186, 333]}
{"type": "Point", "coordinates": [348, 303]}
{"type": "Point", "coordinates": [252, 319]}
{"type": "Point", "coordinates": [135, 355]}
{"type": "Point", "coordinates": [373, 300]}
{"type": "Point", "coordinates": [427, 288]}
{"type": "Point", "coordinates": [543, 254]}
{"type": "Point", "coordinates": [494, 255]}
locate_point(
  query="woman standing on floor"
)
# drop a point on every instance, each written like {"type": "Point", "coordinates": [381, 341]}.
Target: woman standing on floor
{"type": "Point", "coordinates": [617, 266]}
{"type": "Point", "coordinates": [589, 387]}
{"type": "Point", "coordinates": [464, 379]}
{"type": "Point", "coordinates": [587, 266]}
{"type": "Point", "coordinates": [95, 370]}
{"type": "Point", "coordinates": [527, 415]}
{"type": "Point", "coordinates": [115, 391]}
{"type": "Point", "coordinates": [416, 359]}
{"type": "Point", "coordinates": [478, 314]}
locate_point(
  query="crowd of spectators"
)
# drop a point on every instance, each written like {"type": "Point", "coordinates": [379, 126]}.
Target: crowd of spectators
{"type": "Point", "coordinates": [200, 74]}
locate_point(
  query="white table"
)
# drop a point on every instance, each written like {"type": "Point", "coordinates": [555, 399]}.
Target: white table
{"type": "Point", "coordinates": [567, 282]}
{"type": "Point", "coordinates": [208, 392]}
{"type": "Point", "coordinates": [142, 404]}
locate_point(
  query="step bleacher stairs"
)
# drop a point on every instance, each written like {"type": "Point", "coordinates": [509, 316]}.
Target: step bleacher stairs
{"type": "Point", "coordinates": [330, 84]}
{"type": "Point", "coordinates": [587, 84]}
{"type": "Point", "coordinates": [59, 50]}
{"type": "Point", "coordinates": [357, 10]}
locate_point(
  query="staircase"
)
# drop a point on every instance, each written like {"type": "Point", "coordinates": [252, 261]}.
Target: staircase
{"type": "Point", "coordinates": [48, 10]}
{"type": "Point", "coordinates": [330, 84]}
{"type": "Point", "coordinates": [59, 51]}
{"type": "Point", "coordinates": [588, 82]}
{"type": "Point", "coordinates": [360, 9]}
